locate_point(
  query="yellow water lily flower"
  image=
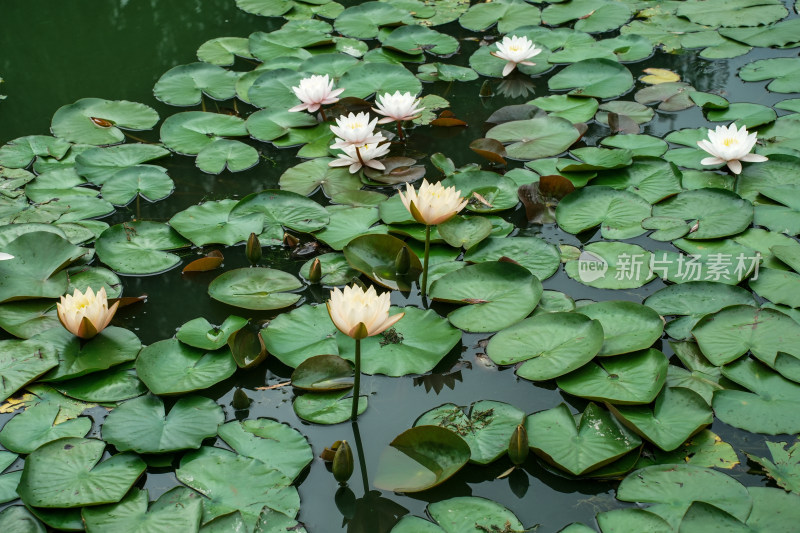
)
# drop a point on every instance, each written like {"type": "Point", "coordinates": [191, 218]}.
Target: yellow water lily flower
{"type": "Point", "coordinates": [433, 203]}
{"type": "Point", "coordinates": [85, 314]}
{"type": "Point", "coordinates": [358, 313]}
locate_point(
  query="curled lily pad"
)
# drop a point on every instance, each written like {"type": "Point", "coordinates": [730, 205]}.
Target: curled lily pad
{"type": "Point", "coordinates": [255, 288]}
{"type": "Point", "coordinates": [169, 367]}
{"type": "Point", "coordinates": [98, 164]}
{"type": "Point", "coordinates": [420, 458]}
{"type": "Point", "coordinates": [200, 333]}
{"type": "Point", "coordinates": [139, 247]}
{"type": "Point", "coordinates": [68, 473]}
{"type": "Point", "coordinates": [323, 373]}
{"type": "Point", "coordinates": [223, 51]}
{"type": "Point", "coordinates": [20, 152]}
{"type": "Point", "coordinates": [99, 122]}
{"type": "Point", "coordinates": [375, 256]}
{"type": "Point", "coordinates": [327, 407]}
{"type": "Point", "coordinates": [185, 85]}
{"type": "Point", "coordinates": [114, 385]}
{"type": "Point", "coordinates": [550, 344]}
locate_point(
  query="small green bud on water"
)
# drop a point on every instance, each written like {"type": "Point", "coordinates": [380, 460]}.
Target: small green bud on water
{"type": "Point", "coordinates": [240, 400]}
{"type": "Point", "coordinates": [315, 271]}
{"type": "Point", "coordinates": [402, 263]}
{"type": "Point", "coordinates": [518, 446]}
{"type": "Point", "coordinates": [253, 249]}
{"type": "Point", "coordinates": [343, 463]}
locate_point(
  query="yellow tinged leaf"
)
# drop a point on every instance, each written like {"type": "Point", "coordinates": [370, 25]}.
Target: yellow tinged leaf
{"type": "Point", "coordinates": [14, 404]}
{"type": "Point", "coordinates": [659, 75]}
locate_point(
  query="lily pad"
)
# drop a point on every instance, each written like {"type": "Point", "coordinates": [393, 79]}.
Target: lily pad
{"type": "Point", "coordinates": [139, 247]}
{"type": "Point", "coordinates": [611, 265]}
{"type": "Point", "coordinates": [169, 367]}
{"type": "Point", "coordinates": [535, 138]}
{"type": "Point", "coordinates": [99, 122]}
{"type": "Point", "coordinates": [376, 78]}
{"type": "Point", "coordinates": [36, 426]}
{"type": "Point", "coordinates": [223, 51]}
{"type": "Point", "coordinates": [20, 152]}
{"type": "Point", "coordinates": [618, 213]}
{"type": "Point", "coordinates": [23, 361]}
{"type": "Point", "coordinates": [347, 223]}
{"type": "Point", "coordinates": [601, 78]}
{"type": "Point", "coordinates": [200, 333]}
{"type": "Point", "coordinates": [177, 508]}
{"type": "Point", "coordinates": [550, 344]}
{"type": "Point", "coordinates": [375, 255]}
{"type": "Point", "coordinates": [185, 85]}
{"type": "Point", "coordinates": [415, 40]}
{"type": "Point", "coordinates": [327, 407]}
{"type": "Point", "coordinates": [507, 14]}
{"type": "Point", "coordinates": [141, 425]}
{"type": "Point", "coordinates": [334, 268]}
{"type": "Point", "coordinates": [578, 443]}
{"type": "Point", "coordinates": [210, 222]}
{"type": "Point", "coordinates": [498, 293]}
{"type": "Point", "coordinates": [68, 473]}
{"type": "Point", "coordinates": [652, 178]}
{"type": "Point", "coordinates": [470, 514]}
{"type": "Point", "coordinates": [114, 385]}
{"type": "Point", "coordinates": [486, 428]}
{"type": "Point", "coordinates": [226, 153]}
{"type": "Point", "coordinates": [270, 124]}
{"type": "Point", "coordinates": [420, 458]}
{"type": "Point", "coordinates": [784, 71]}
{"type": "Point", "coordinates": [282, 209]}
{"type": "Point", "coordinates": [710, 213]}
{"type": "Point", "coordinates": [783, 468]}
{"type": "Point", "coordinates": [255, 288]}
{"type": "Point", "coordinates": [627, 326]}
{"type": "Point", "coordinates": [149, 182]}
{"type": "Point", "coordinates": [98, 165]}
{"type": "Point", "coordinates": [323, 373]}
{"type": "Point", "coordinates": [189, 132]}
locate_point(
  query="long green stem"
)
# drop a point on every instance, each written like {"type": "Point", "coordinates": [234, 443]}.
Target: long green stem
{"type": "Point", "coordinates": [356, 382]}
{"type": "Point", "coordinates": [360, 453]}
{"type": "Point", "coordinates": [424, 287]}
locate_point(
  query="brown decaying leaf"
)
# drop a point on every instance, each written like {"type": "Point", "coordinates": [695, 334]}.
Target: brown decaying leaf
{"type": "Point", "coordinates": [211, 261]}
{"type": "Point", "coordinates": [125, 301]}
{"type": "Point", "coordinates": [103, 123]}
{"type": "Point", "coordinates": [448, 120]}
{"type": "Point", "coordinates": [622, 123]}
{"type": "Point", "coordinates": [491, 149]}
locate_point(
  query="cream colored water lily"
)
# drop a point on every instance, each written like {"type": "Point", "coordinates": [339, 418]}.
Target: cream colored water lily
{"type": "Point", "coordinates": [397, 107]}
{"type": "Point", "coordinates": [355, 130]}
{"type": "Point", "coordinates": [315, 92]}
{"type": "Point", "coordinates": [433, 203]}
{"type": "Point", "coordinates": [367, 156]}
{"type": "Point", "coordinates": [358, 313]}
{"type": "Point", "coordinates": [730, 146]}
{"type": "Point", "coordinates": [515, 50]}
{"type": "Point", "coordinates": [85, 314]}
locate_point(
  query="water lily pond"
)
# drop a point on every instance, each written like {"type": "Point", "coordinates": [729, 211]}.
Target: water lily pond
{"type": "Point", "coordinates": [607, 337]}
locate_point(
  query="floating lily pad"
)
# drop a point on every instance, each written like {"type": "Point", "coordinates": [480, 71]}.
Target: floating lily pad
{"type": "Point", "coordinates": [189, 132]}
{"type": "Point", "coordinates": [347, 223]}
{"type": "Point", "coordinates": [334, 268]}
{"type": "Point", "coordinates": [652, 178]}
{"type": "Point", "coordinates": [27, 318]}
{"type": "Point", "coordinates": [177, 508]}
{"type": "Point", "coordinates": [20, 152]}
{"type": "Point", "coordinates": [551, 345]}
{"type": "Point", "coordinates": [498, 294]}
{"type": "Point", "coordinates": [169, 367]}
{"type": "Point", "coordinates": [98, 165]}
{"type": "Point", "coordinates": [445, 72]}
{"type": "Point", "coordinates": [223, 51]}
{"type": "Point", "coordinates": [282, 208]}
{"type": "Point", "coordinates": [376, 78]}
{"type": "Point", "coordinates": [141, 425]}
{"type": "Point", "coordinates": [777, 286]}
{"type": "Point", "coordinates": [327, 407]}
{"type": "Point", "coordinates": [255, 288]}
{"type": "Point", "coordinates": [632, 519]}
{"type": "Point", "coordinates": [96, 121]}
{"type": "Point", "coordinates": [578, 443]}
{"type": "Point", "coordinates": [470, 514]}
{"type": "Point", "coordinates": [36, 426]}
{"type": "Point", "coordinates": [629, 379]}
{"type": "Point", "coordinates": [270, 124]}
{"type": "Point", "coordinates": [498, 191]}
{"type": "Point", "coordinates": [210, 222]}
{"type": "Point", "coordinates": [627, 326]}
{"type": "Point", "coordinates": [139, 247]}
{"type": "Point", "coordinates": [149, 182]}
{"type": "Point", "coordinates": [619, 213]}
{"type": "Point", "coordinates": [375, 255]}
{"type": "Point", "coordinates": [231, 482]}
{"type": "Point", "coordinates": [784, 70]}
{"type": "Point", "coordinates": [611, 265]}
{"type": "Point", "coordinates": [601, 78]}
{"type": "Point", "coordinates": [415, 40]}
{"type": "Point", "coordinates": [200, 333]}
{"type": "Point", "coordinates": [673, 96]}
{"type": "Point", "coordinates": [535, 138]}
{"type": "Point", "coordinates": [465, 232]}
{"type": "Point", "coordinates": [783, 468]}
{"type": "Point", "coordinates": [66, 473]}
{"type": "Point", "coordinates": [226, 153]}
{"type": "Point", "coordinates": [185, 85]}
{"type": "Point", "coordinates": [323, 373]}
{"type": "Point", "coordinates": [114, 385]}
{"type": "Point", "coordinates": [572, 108]}
{"type": "Point", "coordinates": [486, 428]}
{"type": "Point", "coordinates": [590, 16]}
{"type": "Point", "coordinates": [363, 21]}
{"type": "Point", "coordinates": [420, 458]}
{"type": "Point", "coordinates": [276, 444]}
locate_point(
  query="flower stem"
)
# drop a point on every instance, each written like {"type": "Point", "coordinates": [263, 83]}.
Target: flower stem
{"type": "Point", "coordinates": [360, 454]}
{"type": "Point", "coordinates": [360, 159]}
{"type": "Point", "coordinates": [424, 285]}
{"type": "Point", "coordinates": [356, 382]}
{"type": "Point", "coordinates": [400, 131]}
{"type": "Point", "coordinates": [321, 112]}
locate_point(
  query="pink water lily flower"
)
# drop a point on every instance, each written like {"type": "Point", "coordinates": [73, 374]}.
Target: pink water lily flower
{"type": "Point", "coordinates": [730, 146]}
{"type": "Point", "coordinates": [314, 92]}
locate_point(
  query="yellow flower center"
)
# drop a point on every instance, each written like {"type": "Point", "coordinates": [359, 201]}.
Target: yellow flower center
{"type": "Point", "coordinates": [514, 48]}
{"type": "Point", "coordinates": [730, 140]}
{"type": "Point", "coordinates": [356, 125]}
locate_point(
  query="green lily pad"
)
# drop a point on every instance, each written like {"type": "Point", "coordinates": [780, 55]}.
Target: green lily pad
{"type": "Point", "coordinates": [323, 373]}
{"type": "Point", "coordinates": [486, 428]}
{"type": "Point", "coordinates": [551, 345]}
{"type": "Point", "coordinates": [98, 165]}
{"type": "Point", "coordinates": [744, 114]}
{"type": "Point", "coordinates": [114, 385]}
{"type": "Point", "coordinates": [631, 519]}
{"type": "Point", "coordinates": [23, 361]}
{"type": "Point", "coordinates": [141, 425]}
{"type": "Point", "coordinates": [377, 78]}
{"type": "Point", "coordinates": [572, 108]}
{"type": "Point", "coordinates": [629, 379]}
{"type": "Point", "coordinates": [465, 232]}
{"type": "Point", "coordinates": [710, 213]}
{"type": "Point", "coordinates": [618, 213]}
{"type": "Point", "coordinates": [705, 449]}
{"type": "Point", "coordinates": [600, 78]}
{"type": "Point", "coordinates": [470, 514]}
{"type": "Point", "coordinates": [112, 346]}
{"type": "Point", "coordinates": [139, 247]}
{"type": "Point", "coordinates": [507, 14]}
{"type": "Point", "coordinates": [498, 293]}
{"type": "Point", "coordinates": [500, 192]}
{"type": "Point", "coordinates": [578, 443]}
{"type": "Point", "coordinates": [210, 222]}
{"type": "Point", "coordinates": [363, 21]}
{"type": "Point", "coordinates": [223, 51]}
{"type": "Point", "coordinates": [652, 178]}
{"type": "Point", "coordinates": [68, 473]}
{"type": "Point", "coordinates": [535, 138]}
{"type": "Point", "coordinates": [670, 97]}
{"type": "Point", "coordinates": [27, 318]}
{"type": "Point", "coordinates": [335, 269]}
{"type": "Point", "coordinates": [733, 14]}
{"type": "Point", "coordinates": [327, 407]}
{"type": "Point", "coordinates": [590, 16]}
{"type": "Point", "coordinates": [20, 152]}
{"type": "Point", "coordinates": [273, 89]}
{"type": "Point", "coordinates": [149, 182]}
{"type": "Point", "coordinates": [178, 508]}
{"type": "Point", "coordinates": [270, 124]}
{"type": "Point", "coordinates": [783, 468]}
{"type": "Point", "coordinates": [231, 482]}
{"type": "Point", "coordinates": [226, 153]}
{"type": "Point", "coordinates": [200, 333]}
{"type": "Point", "coordinates": [37, 426]}
{"type": "Point", "coordinates": [769, 408]}
{"type": "Point", "coordinates": [374, 255]}
{"type": "Point", "coordinates": [777, 286]}
{"type": "Point", "coordinates": [420, 458]}
{"type": "Point", "coordinates": [185, 85]}
{"type": "Point", "coordinates": [189, 132]}
{"type": "Point", "coordinates": [346, 223]}
{"type": "Point", "coordinates": [611, 265]}
{"type": "Point", "coordinates": [255, 288]}
{"type": "Point", "coordinates": [99, 122]}
{"type": "Point", "coordinates": [282, 209]}
{"type": "Point", "coordinates": [276, 444]}
{"type": "Point", "coordinates": [678, 414]}
{"type": "Point", "coordinates": [445, 72]}
{"type": "Point", "coordinates": [784, 72]}
{"type": "Point", "coordinates": [673, 488]}
{"type": "Point", "coordinates": [169, 367]}
{"type": "Point", "coordinates": [728, 334]}
{"type": "Point", "coordinates": [593, 158]}
{"type": "Point", "coordinates": [415, 40]}
{"type": "Point", "coordinates": [627, 326]}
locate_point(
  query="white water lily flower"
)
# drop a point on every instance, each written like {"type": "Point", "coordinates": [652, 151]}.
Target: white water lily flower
{"type": "Point", "coordinates": [432, 204]}
{"type": "Point", "coordinates": [397, 107]}
{"type": "Point", "coordinates": [5, 257]}
{"type": "Point", "coordinates": [314, 92]}
{"type": "Point", "coordinates": [355, 130]}
{"type": "Point", "coordinates": [355, 307]}
{"type": "Point", "coordinates": [369, 155]}
{"type": "Point", "coordinates": [85, 314]}
{"type": "Point", "coordinates": [515, 50]}
{"type": "Point", "coordinates": [730, 146]}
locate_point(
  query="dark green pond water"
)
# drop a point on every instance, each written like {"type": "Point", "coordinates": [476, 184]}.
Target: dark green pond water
{"type": "Point", "coordinates": [53, 53]}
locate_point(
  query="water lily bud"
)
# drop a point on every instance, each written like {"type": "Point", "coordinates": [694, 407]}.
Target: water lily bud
{"type": "Point", "coordinates": [486, 89]}
{"type": "Point", "coordinates": [290, 240]}
{"type": "Point", "coordinates": [402, 263]}
{"type": "Point", "coordinates": [518, 446]}
{"type": "Point", "coordinates": [253, 249]}
{"type": "Point", "coordinates": [240, 400]}
{"type": "Point", "coordinates": [343, 463]}
{"type": "Point", "coordinates": [315, 271]}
